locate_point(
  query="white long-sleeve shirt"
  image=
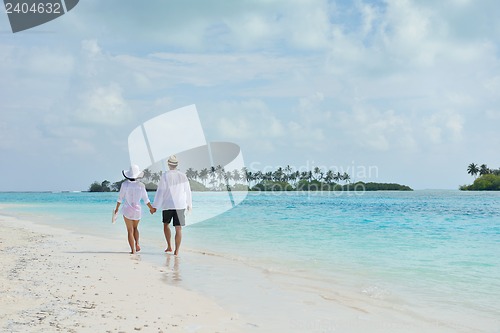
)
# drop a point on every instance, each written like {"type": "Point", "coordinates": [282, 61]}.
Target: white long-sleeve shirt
{"type": "Point", "coordinates": [174, 191]}
{"type": "Point", "coordinates": [131, 193]}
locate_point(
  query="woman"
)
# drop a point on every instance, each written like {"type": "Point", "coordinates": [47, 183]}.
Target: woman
{"type": "Point", "coordinates": [131, 193]}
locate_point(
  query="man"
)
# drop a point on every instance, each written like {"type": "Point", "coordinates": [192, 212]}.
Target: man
{"type": "Point", "coordinates": [173, 197]}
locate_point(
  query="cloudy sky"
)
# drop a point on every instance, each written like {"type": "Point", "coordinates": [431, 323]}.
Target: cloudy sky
{"type": "Point", "coordinates": [408, 88]}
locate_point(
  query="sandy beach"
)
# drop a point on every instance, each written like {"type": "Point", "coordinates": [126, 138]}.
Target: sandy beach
{"type": "Point", "coordinates": [55, 281]}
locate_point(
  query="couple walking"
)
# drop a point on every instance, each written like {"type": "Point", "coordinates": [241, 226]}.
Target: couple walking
{"type": "Point", "coordinates": [173, 198]}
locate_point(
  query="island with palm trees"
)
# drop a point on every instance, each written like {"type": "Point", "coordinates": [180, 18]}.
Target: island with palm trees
{"type": "Point", "coordinates": [280, 179]}
{"type": "Point", "coordinates": [488, 180]}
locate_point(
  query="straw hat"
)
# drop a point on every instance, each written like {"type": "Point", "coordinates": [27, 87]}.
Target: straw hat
{"type": "Point", "coordinates": [172, 160]}
{"type": "Point", "coordinates": [133, 173]}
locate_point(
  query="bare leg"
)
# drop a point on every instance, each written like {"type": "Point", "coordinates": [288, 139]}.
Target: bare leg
{"type": "Point", "coordinates": [130, 234]}
{"type": "Point", "coordinates": [168, 235]}
{"type": "Point", "coordinates": [178, 238]}
{"type": "Point", "coordinates": [136, 235]}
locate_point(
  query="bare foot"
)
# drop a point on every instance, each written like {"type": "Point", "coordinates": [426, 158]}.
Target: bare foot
{"type": "Point", "coordinates": [168, 249]}
{"type": "Point", "coordinates": [176, 252]}
{"type": "Point", "coordinates": [137, 247]}
{"type": "Point", "coordinates": [132, 252]}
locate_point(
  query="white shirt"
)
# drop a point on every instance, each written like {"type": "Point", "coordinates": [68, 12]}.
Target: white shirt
{"type": "Point", "coordinates": [174, 191]}
{"type": "Point", "coordinates": [130, 196]}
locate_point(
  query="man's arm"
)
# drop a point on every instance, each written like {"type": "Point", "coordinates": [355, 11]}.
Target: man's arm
{"type": "Point", "coordinates": [189, 197]}
{"type": "Point", "coordinates": [158, 200]}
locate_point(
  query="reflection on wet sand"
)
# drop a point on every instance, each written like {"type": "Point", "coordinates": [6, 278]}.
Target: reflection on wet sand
{"type": "Point", "coordinates": [172, 275]}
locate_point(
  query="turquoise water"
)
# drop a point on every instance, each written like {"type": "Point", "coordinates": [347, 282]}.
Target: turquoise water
{"type": "Point", "coordinates": [437, 246]}
{"type": "Point", "coordinates": [423, 248]}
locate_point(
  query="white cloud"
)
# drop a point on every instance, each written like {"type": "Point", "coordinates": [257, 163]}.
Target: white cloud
{"type": "Point", "coordinates": [444, 126]}
{"type": "Point", "coordinates": [306, 125]}
{"type": "Point", "coordinates": [244, 25]}
{"type": "Point", "coordinates": [91, 48]}
{"type": "Point", "coordinates": [48, 63]}
{"type": "Point", "coordinates": [249, 119]}
{"type": "Point", "coordinates": [79, 146]}
{"type": "Point", "coordinates": [370, 128]}
{"type": "Point", "coordinates": [369, 14]}
{"type": "Point", "coordinates": [290, 77]}
{"type": "Point", "coordinates": [104, 105]}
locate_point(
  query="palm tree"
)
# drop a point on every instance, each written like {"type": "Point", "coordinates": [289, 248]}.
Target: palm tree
{"type": "Point", "coordinates": [147, 174]}
{"type": "Point", "coordinates": [203, 174]}
{"type": "Point", "coordinates": [228, 175]}
{"type": "Point", "coordinates": [346, 177]}
{"type": "Point", "coordinates": [288, 172]}
{"type": "Point", "coordinates": [267, 176]}
{"type": "Point", "coordinates": [278, 175]}
{"type": "Point", "coordinates": [329, 176]}
{"type": "Point", "coordinates": [156, 177]}
{"type": "Point", "coordinates": [337, 177]}
{"type": "Point", "coordinates": [236, 175]}
{"type": "Point", "coordinates": [318, 174]}
{"type": "Point", "coordinates": [105, 186]}
{"type": "Point", "coordinates": [305, 175]}
{"type": "Point", "coordinates": [212, 174]}
{"type": "Point", "coordinates": [293, 177]}
{"type": "Point", "coordinates": [472, 169]}
{"type": "Point", "coordinates": [244, 173]}
{"type": "Point", "coordinates": [258, 176]}
{"type": "Point", "coordinates": [484, 170]}
{"type": "Point", "coordinates": [191, 174]}
{"type": "Point", "coordinates": [249, 177]}
{"type": "Point", "coordinates": [220, 172]}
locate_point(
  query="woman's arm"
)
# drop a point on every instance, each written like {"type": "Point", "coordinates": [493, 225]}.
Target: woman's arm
{"type": "Point", "coordinates": [152, 210]}
{"type": "Point", "coordinates": [117, 206]}
{"type": "Point", "coordinates": [145, 198]}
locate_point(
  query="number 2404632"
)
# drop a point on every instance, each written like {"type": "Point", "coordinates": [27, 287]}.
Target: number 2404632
{"type": "Point", "coordinates": [35, 8]}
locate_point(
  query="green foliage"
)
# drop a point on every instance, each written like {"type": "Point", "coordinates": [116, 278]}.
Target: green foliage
{"type": "Point", "coordinates": [315, 185]}
{"type": "Point", "coordinates": [489, 179]}
{"type": "Point", "coordinates": [378, 187]}
{"type": "Point", "coordinates": [197, 186]}
{"type": "Point", "coordinates": [116, 186]}
{"type": "Point", "coordinates": [217, 178]}
{"type": "Point", "coordinates": [486, 182]}
{"type": "Point", "coordinates": [269, 185]}
{"type": "Point", "coordinates": [239, 187]}
{"type": "Point", "coordinates": [100, 187]}
{"type": "Point", "coordinates": [151, 186]}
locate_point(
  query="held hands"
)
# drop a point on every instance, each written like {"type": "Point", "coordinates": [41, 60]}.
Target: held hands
{"type": "Point", "coordinates": [152, 210]}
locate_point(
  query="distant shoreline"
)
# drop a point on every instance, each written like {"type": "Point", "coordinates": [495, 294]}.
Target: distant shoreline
{"type": "Point", "coordinates": [274, 186]}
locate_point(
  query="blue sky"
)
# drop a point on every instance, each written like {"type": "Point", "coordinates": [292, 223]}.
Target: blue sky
{"type": "Point", "coordinates": [411, 88]}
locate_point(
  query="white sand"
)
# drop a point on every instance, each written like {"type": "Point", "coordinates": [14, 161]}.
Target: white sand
{"type": "Point", "coordinates": [56, 281]}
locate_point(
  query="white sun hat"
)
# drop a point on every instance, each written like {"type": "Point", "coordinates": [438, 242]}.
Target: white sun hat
{"type": "Point", "coordinates": [133, 173]}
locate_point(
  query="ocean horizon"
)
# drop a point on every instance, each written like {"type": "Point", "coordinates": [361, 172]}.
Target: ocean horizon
{"type": "Point", "coordinates": [426, 254]}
